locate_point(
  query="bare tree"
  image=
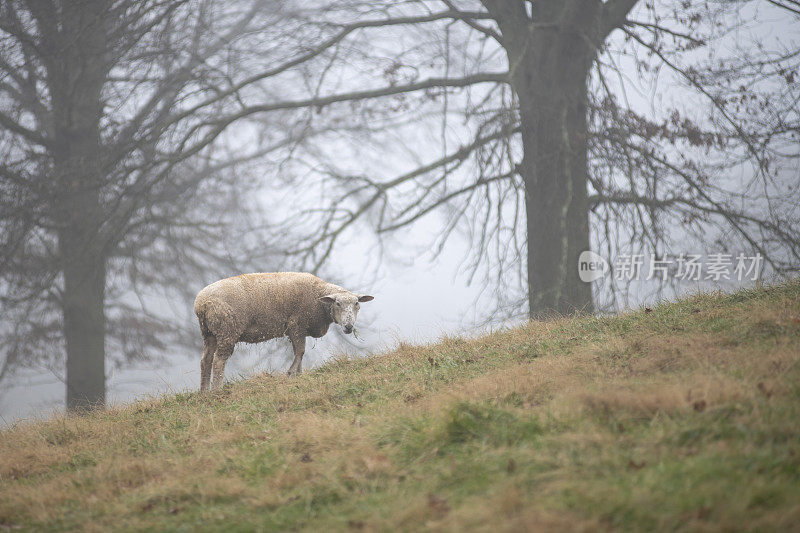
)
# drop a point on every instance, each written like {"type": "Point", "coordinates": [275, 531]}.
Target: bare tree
{"type": "Point", "coordinates": [545, 130]}
{"type": "Point", "coordinates": [120, 176]}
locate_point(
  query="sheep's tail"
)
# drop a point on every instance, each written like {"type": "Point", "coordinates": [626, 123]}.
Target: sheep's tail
{"type": "Point", "coordinates": [214, 316]}
{"type": "Point", "coordinates": [200, 309]}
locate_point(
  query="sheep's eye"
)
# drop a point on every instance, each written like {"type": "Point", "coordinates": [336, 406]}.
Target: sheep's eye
{"type": "Point", "coordinates": [339, 304]}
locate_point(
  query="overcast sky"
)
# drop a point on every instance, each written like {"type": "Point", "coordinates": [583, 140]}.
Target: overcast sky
{"type": "Point", "coordinates": [416, 300]}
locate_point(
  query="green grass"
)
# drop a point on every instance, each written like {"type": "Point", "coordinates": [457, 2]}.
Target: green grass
{"type": "Point", "coordinates": [683, 417]}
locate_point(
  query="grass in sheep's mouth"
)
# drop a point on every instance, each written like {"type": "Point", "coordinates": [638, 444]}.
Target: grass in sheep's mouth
{"type": "Point", "coordinates": [643, 421]}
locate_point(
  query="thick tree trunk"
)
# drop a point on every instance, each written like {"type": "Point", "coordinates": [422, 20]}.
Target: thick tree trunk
{"type": "Point", "coordinates": [555, 175]}
{"type": "Point", "coordinates": [84, 320]}
{"type": "Point", "coordinates": [77, 54]}
{"type": "Point", "coordinates": [550, 53]}
{"type": "Point", "coordinates": [83, 263]}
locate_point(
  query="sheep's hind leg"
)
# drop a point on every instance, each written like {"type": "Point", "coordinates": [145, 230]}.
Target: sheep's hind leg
{"type": "Point", "coordinates": [209, 347]}
{"type": "Point", "coordinates": [299, 347]}
{"type": "Point", "coordinates": [221, 355]}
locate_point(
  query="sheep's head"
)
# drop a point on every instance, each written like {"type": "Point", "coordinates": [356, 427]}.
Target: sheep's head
{"type": "Point", "coordinates": [344, 308]}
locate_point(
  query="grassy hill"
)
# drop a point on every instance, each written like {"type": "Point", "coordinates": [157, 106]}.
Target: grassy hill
{"type": "Point", "coordinates": [686, 416]}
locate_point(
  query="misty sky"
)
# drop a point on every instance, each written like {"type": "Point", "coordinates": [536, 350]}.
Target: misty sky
{"type": "Point", "coordinates": [416, 300]}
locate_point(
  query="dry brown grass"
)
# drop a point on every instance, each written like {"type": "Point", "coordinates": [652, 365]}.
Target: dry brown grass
{"type": "Point", "coordinates": [571, 424]}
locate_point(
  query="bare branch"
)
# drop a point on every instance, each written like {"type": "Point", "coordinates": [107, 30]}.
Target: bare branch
{"type": "Point", "coordinates": [319, 102]}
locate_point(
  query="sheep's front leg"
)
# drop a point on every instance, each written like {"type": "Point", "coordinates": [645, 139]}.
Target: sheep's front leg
{"type": "Point", "coordinates": [299, 347]}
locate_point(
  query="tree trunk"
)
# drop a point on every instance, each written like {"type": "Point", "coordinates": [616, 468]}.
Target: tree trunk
{"type": "Point", "coordinates": [554, 133]}
{"type": "Point", "coordinates": [84, 320]}
{"type": "Point", "coordinates": [83, 260]}
{"type": "Point", "coordinates": [77, 65]}
{"type": "Point", "coordinates": [550, 54]}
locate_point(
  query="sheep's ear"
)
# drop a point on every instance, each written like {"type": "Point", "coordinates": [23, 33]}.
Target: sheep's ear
{"type": "Point", "coordinates": [328, 299]}
{"type": "Point", "coordinates": [365, 298]}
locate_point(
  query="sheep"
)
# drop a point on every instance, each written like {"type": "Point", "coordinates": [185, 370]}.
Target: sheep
{"type": "Point", "coordinates": [258, 307]}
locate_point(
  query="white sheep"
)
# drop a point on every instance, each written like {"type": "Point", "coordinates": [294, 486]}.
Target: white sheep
{"type": "Point", "coordinates": [258, 307]}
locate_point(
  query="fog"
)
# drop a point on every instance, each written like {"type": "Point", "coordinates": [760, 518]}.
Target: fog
{"type": "Point", "coordinates": [417, 301]}
{"type": "Point", "coordinates": [403, 161]}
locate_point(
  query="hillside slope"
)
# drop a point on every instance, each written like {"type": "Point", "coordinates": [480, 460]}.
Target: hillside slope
{"type": "Point", "coordinates": [683, 416]}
